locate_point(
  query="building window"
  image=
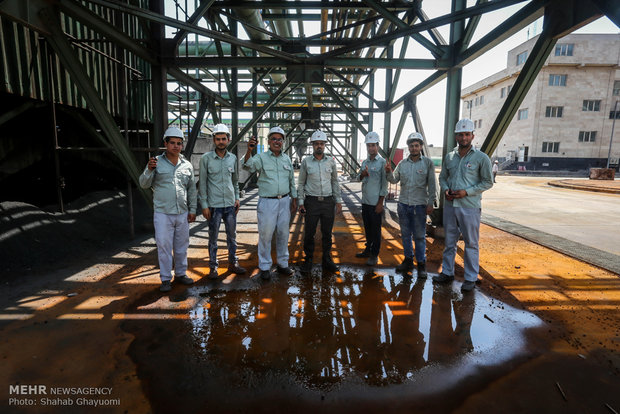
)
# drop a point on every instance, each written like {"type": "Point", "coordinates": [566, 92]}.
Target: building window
{"type": "Point", "coordinates": [480, 123]}
{"type": "Point", "coordinates": [522, 114]}
{"type": "Point", "coordinates": [477, 101]}
{"type": "Point", "coordinates": [565, 49]}
{"type": "Point", "coordinates": [502, 93]}
{"type": "Point", "coordinates": [554, 111]}
{"type": "Point", "coordinates": [617, 87]}
{"type": "Point", "coordinates": [591, 106]}
{"type": "Point", "coordinates": [614, 114]}
{"type": "Point", "coordinates": [475, 124]}
{"type": "Point", "coordinates": [587, 136]}
{"type": "Point", "coordinates": [481, 99]}
{"type": "Point", "coordinates": [557, 80]}
{"type": "Point", "coordinates": [551, 147]}
{"type": "Point", "coordinates": [521, 58]}
{"type": "Point", "coordinates": [509, 88]}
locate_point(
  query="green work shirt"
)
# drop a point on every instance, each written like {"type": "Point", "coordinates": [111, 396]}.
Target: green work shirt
{"type": "Point", "coordinates": [417, 181]}
{"type": "Point", "coordinates": [471, 173]}
{"type": "Point", "coordinates": [318, 178]}
{"type": "Point", "coordinates": [174, 186]}
{"type": "Point", "coordinates": [275, 174]}
{"type": "Point", "coordinates": [219, 180]}
{"type": "Point", "coordinates": [375, 185]}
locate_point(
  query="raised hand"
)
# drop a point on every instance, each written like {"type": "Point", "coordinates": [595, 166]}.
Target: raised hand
{"type": "Point", "coordinates": [388, 166]}
{"type": "Point", "coordinates": [365, 173]}
{"type": "Point", "coordinates": [152, 164]}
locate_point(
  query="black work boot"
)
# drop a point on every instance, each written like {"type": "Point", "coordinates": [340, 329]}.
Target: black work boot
{"type": "Point", "coordinates": [405, 266]}
{"type": "Point", "coordinates": [306, 266]}
{"type": "Point", "coordinates": [422, 270]}
{"type": "Point", "coordinates": [329, 265]}
{"type": "Point", "coordinates": [363, 253]}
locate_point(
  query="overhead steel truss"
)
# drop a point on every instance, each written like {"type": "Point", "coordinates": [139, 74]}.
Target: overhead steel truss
{"type": "Point", "coordinates": [302, 64]}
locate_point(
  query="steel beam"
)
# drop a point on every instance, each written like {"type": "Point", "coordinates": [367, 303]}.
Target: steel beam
{"type": "Point", "coordinates": [213, 34]}
{"type": "Point", "coordinates": [419, 88]}
{"type": "Point", "coordinates": [346, 5]}
{"type": "Point", "coordinates": [193, 19]}
{"type": "Point", "coordinates": [453, 88]}
{"type": "Point", "coordinates": [329, 130]}
{"type": "Point", "coordinates": [433, 48]}
{"type": "Point", "coordinates": [471, 27]}
{"type": "Point", "coordinates": [67, 56]}
{"type": "Point", "coordinates": [274, 98]}
{"type": "Point", "coordinates": [610, 8]}
{"type": "Point", "coordinates": [527, 15]}
{"type": "Point", "coordinates": [195, 130]}
{"type": "Point", "coordinates": [272, 62]}
{"type": "Point", "coordinates": [420, 27]}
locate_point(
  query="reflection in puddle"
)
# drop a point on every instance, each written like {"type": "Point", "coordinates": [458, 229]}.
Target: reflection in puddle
{"type": "Point", "coordinates": [377, 327]}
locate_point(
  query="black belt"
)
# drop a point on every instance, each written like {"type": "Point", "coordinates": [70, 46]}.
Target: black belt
{"type": "Point", "coordinates": [320, 198]}
{"type": "Point", "coordinates": [278, 196]}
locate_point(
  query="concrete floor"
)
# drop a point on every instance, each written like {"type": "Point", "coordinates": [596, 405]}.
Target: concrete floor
{"type": "Point", "coordinates": [589, 218]}
{"type": "Point", "coordinates": [539, 334]}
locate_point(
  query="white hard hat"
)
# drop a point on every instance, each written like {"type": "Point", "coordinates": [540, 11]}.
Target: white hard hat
{"type": "Point", "coordinates": [174, 132]}
{"type": "Point", "coordinates": [464, 125]}
{"type": "Point", "coordinates": [276, 130]}
{"type": "Point", "coordinates": [318, 135]}
{"type": "Point", "coordinates": [414, 136]}
{"type": "Point", "coordinates": [221, 129]}
{"type": "Point", "coordinates": [372, 138]}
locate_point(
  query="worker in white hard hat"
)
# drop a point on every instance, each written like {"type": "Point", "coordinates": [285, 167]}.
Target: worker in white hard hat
{"type": "Point", "coordinates": [171, 177]}
{"type": "Point", "coordinates": [495, 170]}
{"type": "Point", "coordinates": [465, 174]}
{"type": "Point", "coordinates": [277, 200]}
{"type": "Point", "coordinates": [319, 200]}
{"type": "Point", "coordinates": [418, 193]}
{"type": "Point", "coordinates": [218, 190]}
{"type": "Point", "coordinates": [374, 190]}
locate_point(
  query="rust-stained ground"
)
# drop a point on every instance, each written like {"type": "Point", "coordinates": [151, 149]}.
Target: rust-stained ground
{"type": "Point", "coordinates": [541, 333]}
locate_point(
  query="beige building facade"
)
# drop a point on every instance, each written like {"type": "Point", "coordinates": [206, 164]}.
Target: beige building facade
{"type": "Point", "coordinates": [565, 121]}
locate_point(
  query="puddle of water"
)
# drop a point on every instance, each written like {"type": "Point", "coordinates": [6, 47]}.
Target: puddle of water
{"type": "Point", "coordinates": [375, 329]}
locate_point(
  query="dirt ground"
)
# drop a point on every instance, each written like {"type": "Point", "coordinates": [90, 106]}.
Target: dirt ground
{"type": "Point", "coordinates": [98, 321]}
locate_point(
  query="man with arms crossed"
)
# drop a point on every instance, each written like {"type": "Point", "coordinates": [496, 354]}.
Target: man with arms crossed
{"type": "Point", "coordinates": [465, 174]}
{"type": "Point", "coordinates": [171, 177]}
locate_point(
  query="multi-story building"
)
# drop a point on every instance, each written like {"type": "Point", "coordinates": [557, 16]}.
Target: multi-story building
{"type": "Point", "coordinates": [565, 121]}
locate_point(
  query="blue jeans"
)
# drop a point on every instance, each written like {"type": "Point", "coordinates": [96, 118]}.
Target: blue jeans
{"type": "Point", "coordinates": [465, 221]}
{"type": "Point", "coordinates": [230, 223]}
{"type": "Point", "coordinates": [413, 226]}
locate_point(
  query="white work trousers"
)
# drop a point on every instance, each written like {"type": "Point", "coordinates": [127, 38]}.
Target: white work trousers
{"type": "Point", "coordinates": [172, 238]}
{"type": "Point", "coordinates": [273, 215]}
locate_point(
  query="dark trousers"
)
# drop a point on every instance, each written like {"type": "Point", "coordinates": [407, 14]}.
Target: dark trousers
{"type": "Point", "coordinates": [325, 212]}
{"type": "Point", "coordinates": [372, 228]}
{"type": "Point", "coordinates": [227, 214]}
